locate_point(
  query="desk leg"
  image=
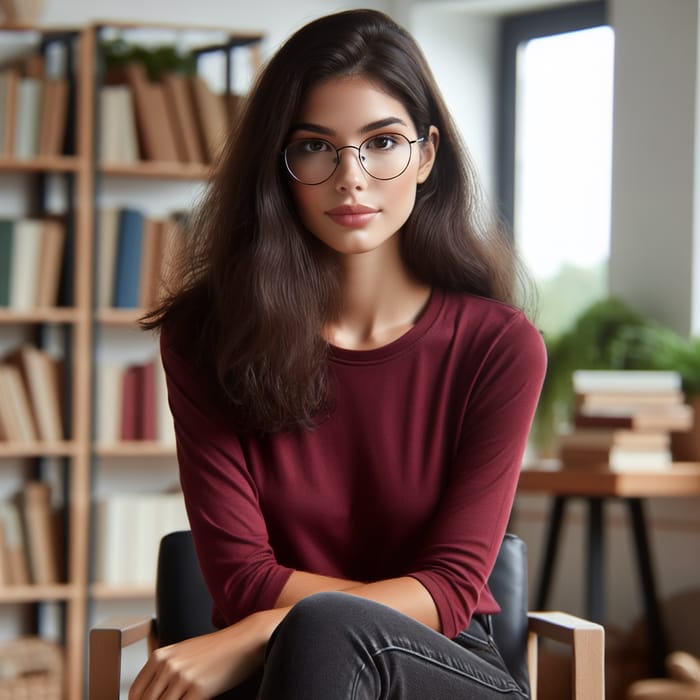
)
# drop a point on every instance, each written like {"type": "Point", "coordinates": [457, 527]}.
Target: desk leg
{"type": "Point", "coordinates": [595, 603]}
{"type": "Point", "coordinates": [550, 551]}
{"type": "Point", "coordinates": [655, 626]}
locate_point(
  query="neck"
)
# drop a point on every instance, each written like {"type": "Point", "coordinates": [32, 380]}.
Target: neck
{"type": "Point", "coordinates": [380, 300]}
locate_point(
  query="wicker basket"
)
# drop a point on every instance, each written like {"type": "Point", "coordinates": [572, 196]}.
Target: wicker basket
{"type": "Point", "coordinates": [31, 668]}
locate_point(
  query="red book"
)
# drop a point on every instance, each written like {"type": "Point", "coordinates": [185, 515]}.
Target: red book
{"type": "Point", "coordinates": [149, 421]}
{"type": "Point", "coordinates": [131, 404]}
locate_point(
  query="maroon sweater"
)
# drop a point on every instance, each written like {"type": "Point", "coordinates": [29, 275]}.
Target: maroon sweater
{"type": "Point", "coordinates": [414, 473]}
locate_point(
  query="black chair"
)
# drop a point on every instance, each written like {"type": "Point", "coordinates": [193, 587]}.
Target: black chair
{"type": "Point", "coordinates": [183, 608]}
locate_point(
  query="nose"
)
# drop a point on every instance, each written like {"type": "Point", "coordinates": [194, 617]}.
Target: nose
{"type": "Point", "coordinates": [350, 174]}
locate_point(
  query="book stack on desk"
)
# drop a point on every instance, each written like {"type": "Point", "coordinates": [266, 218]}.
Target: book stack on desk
{"type": "Point", "coordinates": [623, 419]}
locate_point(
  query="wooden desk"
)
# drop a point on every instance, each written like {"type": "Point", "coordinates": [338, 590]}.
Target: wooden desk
{"type": "Point", "coordinates": [595, 485]}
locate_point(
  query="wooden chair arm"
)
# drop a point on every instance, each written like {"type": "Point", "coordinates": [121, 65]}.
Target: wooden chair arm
{"type": "Point", "coordinates": [106, 643]}
{"type": "Point", "coordinates": [587, 640]}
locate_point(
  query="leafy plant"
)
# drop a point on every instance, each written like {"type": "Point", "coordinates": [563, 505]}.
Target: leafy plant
{"type": "Point", "coordinates": [158, 60]}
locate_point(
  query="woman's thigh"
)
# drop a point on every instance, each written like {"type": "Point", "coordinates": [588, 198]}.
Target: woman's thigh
{"type": "Point", "coordinates": [337, 646]}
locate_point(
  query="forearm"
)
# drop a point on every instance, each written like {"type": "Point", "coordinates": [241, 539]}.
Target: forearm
{"type": "Point", "coordinates": [405, 594]}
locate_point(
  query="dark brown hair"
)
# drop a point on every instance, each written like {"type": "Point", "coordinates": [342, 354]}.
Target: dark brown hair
{"type": "Point", "coordinates": [255, 287]}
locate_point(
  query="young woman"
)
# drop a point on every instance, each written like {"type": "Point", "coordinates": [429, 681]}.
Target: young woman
{"type": "Point", "coordinates": [351, 386]}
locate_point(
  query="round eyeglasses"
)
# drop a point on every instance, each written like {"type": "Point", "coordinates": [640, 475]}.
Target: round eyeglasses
{"type": "Point", "coordinates": [313, 161]}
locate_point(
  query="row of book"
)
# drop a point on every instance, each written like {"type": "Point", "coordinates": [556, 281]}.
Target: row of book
{"type": "Point", "coordinates": [33, 110]}
{"type": "Point", "coordinates": [30, 396]}
{"type": "Point", "coordinates": [625, 419]}
{"type": "Point", "coordinates": [177, 119]}
{"type": "Point", "coordinates": [132, 404]}
{"type": "Point", "coordinates": [31, 259]}
{"type": "Point", "coordinates": [134, 255]}
{"type": "Point", "coordinates": [129, 529]}
{"type": "Point", "coordinates": [31, 530]}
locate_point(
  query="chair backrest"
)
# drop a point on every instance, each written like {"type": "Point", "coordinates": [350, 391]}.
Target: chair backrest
{"type": "Point", "coordinates": [183, 603]}
{"type": "Point", "coordinates": [508, 583]}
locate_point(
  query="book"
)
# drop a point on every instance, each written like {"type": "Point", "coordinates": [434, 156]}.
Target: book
{"type": "Point", "coordinates": [53, 116]}
{"type": "Point", "coordinates": [587, 381]}
{"type": "Point", "coordinates": [178, 92]}
{"type": "Point", "coordinates": [108, 404]}
{"type": "Point", "coordinates": [153, 122]}
{"type": "Point", "coordinates": [117, 138]}
{"type": "Point", "coordinates": [13, 544]}
{"type": "Point", "coordinates": [50, 262]}
{"type": "Point", "coordinates": [27, 239]}
{"type": "Point", "coordinates": [128, 259]}
{"type": "Point", "coordinates": [26, 135]}
{"type": "Point", "coordinates": [164, 417]}
{"type": "Point", "coordinates": [622, 401]}
{"type": "Point", "coordinates": [8, 101]}
{"type": "Point", "coordinates": [39, 529]}
{"type": "Point", "coordinates": [131, 404]}
{"type": "Point", "coordinates": [15, 408]}
{"type": "Point", "coordinates": [605, 439]}
{"type": "Point", "coordinates": [150, 261]}
{"type": "Point", "coordinates": [40, 375]}
{"type": "Point", "coordinates": [6, 244]}
{"type": "Point", "coordinates": [672, 417]}
{"type": "Point", "coordinates": [211, 117]}
{"type": "Point", "coordinates": [106, 254]}
{"type": "Point", "coordinates": [148, 428]}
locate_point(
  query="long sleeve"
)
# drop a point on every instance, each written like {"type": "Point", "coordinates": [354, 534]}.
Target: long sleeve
{"type": "Point", "coordinates": [463, 539]}
{"type": "Point", "coordinates": [222, 503]}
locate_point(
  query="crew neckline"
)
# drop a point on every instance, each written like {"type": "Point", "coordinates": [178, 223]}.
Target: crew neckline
{"type": "Point", "coordinates": [399, 345]}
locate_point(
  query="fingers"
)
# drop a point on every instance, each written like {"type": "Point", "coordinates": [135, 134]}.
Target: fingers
{"type": "Point", "coordinates": [160, 679]}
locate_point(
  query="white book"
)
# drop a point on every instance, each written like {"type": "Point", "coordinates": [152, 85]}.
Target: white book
{"type": "Point", "coordinates": [24, 266]}
{"type": "Point", "coordinates": [118, 538]}
{"type": "Point", "coordinates": [107, 240]}
{"type": "Point", "coordinates": [625, 381]}
{"type": "Point", "coordinates": [164, 418]}
{"type": "Point", "coordinates": [29, 95]}
{"type": "Point", "coordinates": [108, 404]}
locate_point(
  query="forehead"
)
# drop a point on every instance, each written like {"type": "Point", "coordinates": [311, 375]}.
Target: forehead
{"type": "Point", "coordinates": [346, 104]}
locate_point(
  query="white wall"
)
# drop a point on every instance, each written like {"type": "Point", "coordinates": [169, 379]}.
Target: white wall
{"type": "Point", "coordinates": [654, 259]}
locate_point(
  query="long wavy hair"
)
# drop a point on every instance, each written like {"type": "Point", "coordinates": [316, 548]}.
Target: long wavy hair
{"type": "Point", "coordinates": [255, 288]}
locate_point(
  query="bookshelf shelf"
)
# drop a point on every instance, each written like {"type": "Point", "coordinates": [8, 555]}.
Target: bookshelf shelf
{"type": "Point", "coordinates": [119, 317]}
{"type": "Point", "coordinates": [101, 591]}
{"type": "Point", "coordinates": [57, 164]}
{"type": "Point", "coordinates": [158, 170]}
{"type": "Point", "coordinates": [136, 448]}
{"type": "Point", "coordinates": [39, 449]}
{"type": "Point", "coordinates": [37, 594]}
{"type": "Point", "coordinates": [52, 315]}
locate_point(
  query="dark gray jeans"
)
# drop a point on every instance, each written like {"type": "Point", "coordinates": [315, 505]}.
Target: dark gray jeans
{"type": "Point", "coordinates": [334, 646]}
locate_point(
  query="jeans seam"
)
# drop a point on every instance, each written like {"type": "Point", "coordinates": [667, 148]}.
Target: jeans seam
{"type": "Point", "coordinates": [507, 687]}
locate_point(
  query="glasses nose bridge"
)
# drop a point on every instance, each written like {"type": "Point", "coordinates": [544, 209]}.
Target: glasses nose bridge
{"type": "Point", "coordinates": [342, 148]}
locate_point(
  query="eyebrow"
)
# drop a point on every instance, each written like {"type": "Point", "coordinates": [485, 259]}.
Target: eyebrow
{"type": "Point", "coordinates": [372, 126]}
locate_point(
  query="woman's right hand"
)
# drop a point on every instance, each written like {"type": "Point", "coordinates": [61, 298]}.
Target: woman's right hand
{"type": "Point", "coordinates": [205, 666]}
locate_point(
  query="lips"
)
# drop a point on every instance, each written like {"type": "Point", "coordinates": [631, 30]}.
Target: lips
{"type": "Point", "coordinates": [352, 215]}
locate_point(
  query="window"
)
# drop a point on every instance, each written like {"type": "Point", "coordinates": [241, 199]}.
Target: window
{"type": "Point", "coordinates": [556, 163]}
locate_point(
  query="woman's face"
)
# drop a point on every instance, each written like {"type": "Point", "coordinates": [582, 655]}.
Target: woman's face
{"type": "Point", "coordinates": [352, 212]}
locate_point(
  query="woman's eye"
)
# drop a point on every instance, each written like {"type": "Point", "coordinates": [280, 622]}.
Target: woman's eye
{"type": "Point", "coordinates": [384, 142]}
{"type": "Point", "coordinates": [314, 146]}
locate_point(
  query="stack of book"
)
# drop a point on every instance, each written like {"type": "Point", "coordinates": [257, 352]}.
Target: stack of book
{"type": "Point", "coordinates": [30, 537]}
{"type": "Point", "coordinates": [30, 397]}
{"type": "Point", "coordinates": [134, 256]}
{"type": "Point", "coordinates": [132, 404]}
{"type": "Point", "coordinates": [624, 419]}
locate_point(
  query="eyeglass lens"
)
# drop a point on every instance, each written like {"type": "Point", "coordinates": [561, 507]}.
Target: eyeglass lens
{"type": "Point", "coordinates": [383, 157]}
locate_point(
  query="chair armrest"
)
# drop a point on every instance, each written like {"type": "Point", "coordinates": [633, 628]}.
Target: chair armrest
{"type": "Point", "coordinates": [106, 643]}
{"type": "Point", "coordinates": [587, 640]}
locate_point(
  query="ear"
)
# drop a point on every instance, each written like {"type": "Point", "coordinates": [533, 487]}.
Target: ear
{"type": "Point", "coordinates": [428, 152]}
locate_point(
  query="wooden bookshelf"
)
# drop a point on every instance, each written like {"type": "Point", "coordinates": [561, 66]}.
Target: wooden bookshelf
{"type": "Point", "coordinates": [71, 455]}
{"type": "Point", "coordinates": [76, 321]}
